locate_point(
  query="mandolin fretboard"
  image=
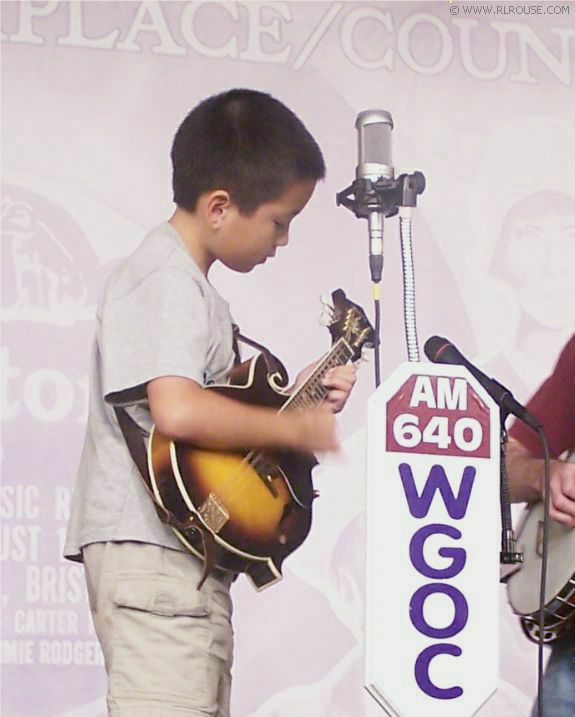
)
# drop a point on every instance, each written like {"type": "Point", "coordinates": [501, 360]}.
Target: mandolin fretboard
{"type": "Point", "coordinates": [312, 392]}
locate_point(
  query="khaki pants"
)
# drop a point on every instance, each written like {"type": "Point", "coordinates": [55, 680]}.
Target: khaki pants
{"type": "Point", "coordinates": [167, 646]}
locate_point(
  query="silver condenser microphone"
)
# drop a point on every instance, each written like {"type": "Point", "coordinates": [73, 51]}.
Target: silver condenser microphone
{"type": "Point", "coordinates": [374, 163]}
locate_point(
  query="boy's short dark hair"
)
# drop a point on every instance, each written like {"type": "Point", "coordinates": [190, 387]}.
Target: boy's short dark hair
{"type": "Point", "coordinates": [245, 142]}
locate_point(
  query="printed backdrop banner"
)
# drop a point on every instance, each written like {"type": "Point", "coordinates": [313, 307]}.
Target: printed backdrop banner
{"type": "Point", "coordinates": [482, 101]}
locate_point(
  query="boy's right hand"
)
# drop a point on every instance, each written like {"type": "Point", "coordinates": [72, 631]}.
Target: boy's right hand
{"type": "Point", "coordinates": [312, 429]}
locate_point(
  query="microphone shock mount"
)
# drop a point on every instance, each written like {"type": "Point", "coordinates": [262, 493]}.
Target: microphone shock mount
{"type": "Point", "coordinates": [383, 196]}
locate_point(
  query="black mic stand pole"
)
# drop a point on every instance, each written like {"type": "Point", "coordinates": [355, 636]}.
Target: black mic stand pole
{"type": "Point", "coordinates": [509, 554]}
{"type": "Point", "coordinates": [365, 199]}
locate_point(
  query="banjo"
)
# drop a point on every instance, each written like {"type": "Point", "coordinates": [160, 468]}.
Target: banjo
{"type": "Point", "coordinates": [523, 585]}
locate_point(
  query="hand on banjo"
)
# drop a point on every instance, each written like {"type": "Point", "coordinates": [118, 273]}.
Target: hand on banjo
{"type": "Point", "coordinates": [562, 503]}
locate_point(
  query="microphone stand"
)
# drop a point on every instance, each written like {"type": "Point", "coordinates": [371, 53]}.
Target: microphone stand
{"type": "Point", "coordinates": [509, 554]}
{"type": "Point", "coordinates": [372, 200]}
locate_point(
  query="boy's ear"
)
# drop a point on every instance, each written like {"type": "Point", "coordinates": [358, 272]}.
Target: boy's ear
{"type": "Point", "coordinates": [217, 204]}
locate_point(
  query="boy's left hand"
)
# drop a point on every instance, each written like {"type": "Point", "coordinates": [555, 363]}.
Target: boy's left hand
{"type": "Point", "coordinates": [339, 381]}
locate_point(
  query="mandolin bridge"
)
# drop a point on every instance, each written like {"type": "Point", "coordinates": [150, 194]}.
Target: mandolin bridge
{"type": "Point", "coordinates": [213, 513]}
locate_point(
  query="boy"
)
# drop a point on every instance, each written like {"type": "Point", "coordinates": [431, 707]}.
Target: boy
{"type": "Point", "coordinates": [243, 167]}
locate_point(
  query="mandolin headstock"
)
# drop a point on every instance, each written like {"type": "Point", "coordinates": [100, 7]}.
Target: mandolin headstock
{"type": "Point", "coordinates": [348, 321]}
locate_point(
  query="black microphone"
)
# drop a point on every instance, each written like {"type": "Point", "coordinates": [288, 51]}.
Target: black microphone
{"type": "Point", "coordinates": [441, 350]}
{"type": "Point", "coordinates": [374, 165]}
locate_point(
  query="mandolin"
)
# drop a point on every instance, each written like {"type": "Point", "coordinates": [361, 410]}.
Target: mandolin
{"type": "Point", "coordinates": [254, 506]}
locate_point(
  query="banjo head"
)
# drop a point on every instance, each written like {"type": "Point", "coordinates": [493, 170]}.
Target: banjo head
{"type": "Point", "coordinates": [524, 585]}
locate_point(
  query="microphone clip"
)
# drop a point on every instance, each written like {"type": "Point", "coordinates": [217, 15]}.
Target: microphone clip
{"type": "Point", "coordinates": [383, 196]}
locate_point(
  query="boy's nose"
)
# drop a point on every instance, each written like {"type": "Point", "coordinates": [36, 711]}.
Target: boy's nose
{"type": "Point", "coordinates": [283, 240]}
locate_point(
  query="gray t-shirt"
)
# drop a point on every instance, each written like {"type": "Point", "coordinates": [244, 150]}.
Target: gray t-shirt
{"type": "Point", "coordinates": [159, 316]}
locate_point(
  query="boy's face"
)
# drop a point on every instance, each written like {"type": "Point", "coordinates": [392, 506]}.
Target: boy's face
{"type": "Point", "coordinates": [246, 241]}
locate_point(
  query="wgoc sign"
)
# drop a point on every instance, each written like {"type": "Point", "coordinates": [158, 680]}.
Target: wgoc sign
{"type": "Point", "coordinates": [433, 533]}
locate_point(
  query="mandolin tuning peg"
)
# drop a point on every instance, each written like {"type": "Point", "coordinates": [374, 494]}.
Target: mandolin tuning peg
{"type": "Point", "coordinates": [364, 357]}
{"type": "Point", "coordinates": [327, 315]}
{"type": "Point", "coordinates": [326, 318]}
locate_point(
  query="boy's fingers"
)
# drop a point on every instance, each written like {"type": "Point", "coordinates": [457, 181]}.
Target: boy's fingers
{"type": "Point", "coordinates": [343, 383]}
{"type": "Point", "coordinates": [337, 398]}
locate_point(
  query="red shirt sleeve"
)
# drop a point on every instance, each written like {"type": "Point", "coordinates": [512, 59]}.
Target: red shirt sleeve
{"type": "Point", "coordinates": [554, 405]}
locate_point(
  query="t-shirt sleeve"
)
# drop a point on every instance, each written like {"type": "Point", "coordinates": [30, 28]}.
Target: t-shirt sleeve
{"type": "Point", "coordinates": [554, 405]}
{"type": "Point", "coordinates": [159, 328]}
